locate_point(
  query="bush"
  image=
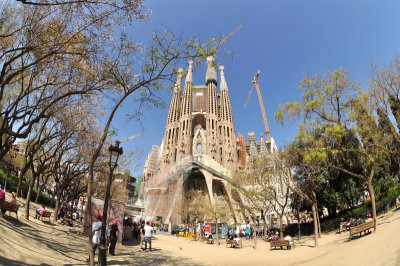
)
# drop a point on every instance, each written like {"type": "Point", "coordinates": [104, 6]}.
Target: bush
{"type": "Point", "coordinates": [12, 182]}
{"type": "Point", "coordinates": [383, 204]}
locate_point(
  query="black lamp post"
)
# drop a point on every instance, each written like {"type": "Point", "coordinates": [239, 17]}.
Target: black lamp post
{"type": "Point", "coordinates": [115, 151]}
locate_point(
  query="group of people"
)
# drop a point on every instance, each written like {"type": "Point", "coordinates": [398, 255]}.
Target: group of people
{"type": "Point", "coordinates": [145, 230]}
{"type": "Point", "coordinates": [70, 213]}
{"type": "Point", "coordinates": [111, 235]}
{"type": "Point", "coordinates": [247, 233]}
{"type": "Point", "coordinates": [345, 225]}
{"type": "Point", "coordinates": [13, 199]}
{"type": "Point", "coordinates": [233, 236]}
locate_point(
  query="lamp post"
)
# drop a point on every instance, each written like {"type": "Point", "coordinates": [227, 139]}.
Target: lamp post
{"type": "Point", "coordinates": [114, 152]}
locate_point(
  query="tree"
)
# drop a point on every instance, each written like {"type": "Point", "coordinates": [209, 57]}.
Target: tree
{"type": "Point", "coordinates": [262, 187]}
{"type": "Point", "coordinates": [199, 205]}
{"type": "Point", "coordinates": [301, 175]}
{"type": "Point", "coordinates": [335, 107]}
{"type": "Point", "coordinates": [54, 53]}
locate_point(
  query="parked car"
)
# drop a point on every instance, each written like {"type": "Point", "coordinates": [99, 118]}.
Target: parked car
{"type": "Point", "coordinates": [176, 231]}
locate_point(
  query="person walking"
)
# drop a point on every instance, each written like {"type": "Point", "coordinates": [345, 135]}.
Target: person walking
{"type": "Point", "coordinates": [96, 230]}
{"type": "Point", "coordinates": [147, 235]}
{"type": "Point", "coordinates": [113, 237]}
{"type": "Point", "coordinates": [141, 234]}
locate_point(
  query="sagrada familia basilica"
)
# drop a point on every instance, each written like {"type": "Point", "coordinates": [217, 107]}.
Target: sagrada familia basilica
{"type": "Point", "coordinates": [200, 148]}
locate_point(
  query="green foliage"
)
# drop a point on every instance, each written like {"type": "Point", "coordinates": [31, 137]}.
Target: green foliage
{"type": "Point", "coordinates": [383, 204]}
{"type": "Point", "coordinates": [12, 182]}
{"type": "Point", "coordinates": [138, 183]}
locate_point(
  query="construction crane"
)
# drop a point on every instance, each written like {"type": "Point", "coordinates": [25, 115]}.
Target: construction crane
{"type": "Point", "coordinates": [255, 83]}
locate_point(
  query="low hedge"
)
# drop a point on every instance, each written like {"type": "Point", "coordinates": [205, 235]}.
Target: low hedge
{"type": "Point", "coordinates": [383, 204]}
{"type": "Point", "coordinates": [12, 182]}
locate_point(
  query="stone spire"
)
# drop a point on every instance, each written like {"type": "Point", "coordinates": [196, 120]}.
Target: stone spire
{"type": "Point", "coordinates": [263, 145]}
{"type": "Point", "coordinates": [185, 122]}
{"type": "Point", "coordinates": [253, 147]}
{"type": "Point", "coordinates": [225, 102]}
{"type": "Point", "coordinates": [172, 127]}
{"type": "Point", "coordinates": [211, 74]}
{"type": "Point", "coordinates": [189, 77]}
{"type": "Point", "coordinates": [223, 85]}
{"type": "Point", "coordinates": [229, 158]}
{"type": "Point", "coordinates": [178, 80]}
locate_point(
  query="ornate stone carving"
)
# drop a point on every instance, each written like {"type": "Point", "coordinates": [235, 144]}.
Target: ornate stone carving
{"type": "Point", "coordinates": [199, 141]}
{"type": "Point", "coordinates": [182, 147]}
{"type": "Point", "coordinates": [213, 144]}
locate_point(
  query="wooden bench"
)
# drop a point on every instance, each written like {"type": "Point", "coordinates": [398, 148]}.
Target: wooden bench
{"type": "Point", "coordinates": [10, 207]}
{"type": "Point", "coordinates": [46, 214]}
{"type": "Point", "coordinates": [194, 236]}
{"type": "Point", "coordinates": [233, 243]}
{"type": "Point", "coordinates": [280, 243]}
{"type": "Point", "coordinates": [361, 228]}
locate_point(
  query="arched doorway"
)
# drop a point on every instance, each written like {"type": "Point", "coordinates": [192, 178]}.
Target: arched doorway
{"type": "Point", "coordinates": [194, 184]}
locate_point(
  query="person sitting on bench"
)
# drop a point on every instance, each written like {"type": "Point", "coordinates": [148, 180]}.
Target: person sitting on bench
{"type": "Point", "coordinates": [289, 238]}
{"type": "Point", "coordinates": [40, 212]}
{"type": "Point", "coordinates": [13, 201]}
{"type": "Point", "coordinates": [2, 196]}
{"type": "Point", "coordinates": [237, 239]}
{"type": "Point", "coordinates": [275, 237]}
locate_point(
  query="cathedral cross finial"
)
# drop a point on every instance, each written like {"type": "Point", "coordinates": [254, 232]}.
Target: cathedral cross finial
{"type": "Point", "coordinates": [189, 72]}
{"type": "Point", "coordinates": [223, 85]}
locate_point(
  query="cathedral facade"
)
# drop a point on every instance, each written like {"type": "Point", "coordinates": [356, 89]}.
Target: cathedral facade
{"type": "Point", "coordinates": [199, 149]}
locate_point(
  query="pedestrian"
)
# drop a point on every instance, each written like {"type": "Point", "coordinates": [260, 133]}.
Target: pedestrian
{"type": "Point", "coordinates": [141, 234]}
{"type": "Point", "coordinates": [113, 237]}
{"type": "Point", "coordinates": [96, 230]}
{"type": "Point", "coordinates": [147, 235]}
{"type": "Point", "coordinates": [2, 196]}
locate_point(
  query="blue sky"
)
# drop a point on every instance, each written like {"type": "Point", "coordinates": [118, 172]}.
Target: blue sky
{"type": "Point", "coordinates": [282, 39]}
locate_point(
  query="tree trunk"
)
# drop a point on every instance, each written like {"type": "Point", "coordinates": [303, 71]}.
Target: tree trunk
{"type": "Point", "coordinates": [91, 168]}
{"type": "Point", "coordinates": [319, 224]}
{"type": "Point", "coordinates": [216, 230]}
{"type": "Point", "coordinates": [264, 223]}
{"type": "Point", "coordinates": [255, 227]}
{"type": "Point", "coordinates": [315, 225]}
{"type": "Point", "coordinates": [56, 209]}
{"type": "Point", "coordinates": [372, 195]}
{"type": "Point", "coordinates": [299, 223]}
{"type": "Point", "coordinates": [39, 190]}
{"type": "Point", "coordinates": [28, 197]}
{"type": "Point", "coordinates": [280, 225]}
{"type": "Point", "coordinates": [20, 177]}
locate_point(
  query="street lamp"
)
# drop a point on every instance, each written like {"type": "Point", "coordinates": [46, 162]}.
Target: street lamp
{"type": "Point", "coordinates": [114, 151]}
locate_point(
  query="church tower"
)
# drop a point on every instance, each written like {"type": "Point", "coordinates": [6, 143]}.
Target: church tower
{"type": "Point", "coordinates": [212, 111]}
{"type": "Point", "coordinates": [172, 128]}
{"type": "Point", "coordinates": [226, 126]}
{"type": "Point", "coordinates": [184, 146]}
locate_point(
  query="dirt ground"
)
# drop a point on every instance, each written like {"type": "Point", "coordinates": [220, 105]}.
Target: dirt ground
{"type": "Point", "coordinates": [33, 242]}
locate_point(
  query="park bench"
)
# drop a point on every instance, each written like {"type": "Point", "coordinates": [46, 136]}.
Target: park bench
{"type": "Point", "coordinates": [361, 228]}
{"type": "Point", "coordinates": [280, 243]}
{"type": "Point", "coordinates": [194, 236]}
{"type": "Point", "coordinates": [233, 243]}
{"type": "Point", "coordinates": [203, 238]}
{"type": "Point", "coordinates": [46, 214]}
{"type": "Point", "coordinates": [10, 207]}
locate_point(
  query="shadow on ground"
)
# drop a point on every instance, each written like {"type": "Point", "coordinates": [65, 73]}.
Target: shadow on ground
{"type": "Point", "coordinates": [155, 257]}
{"type": "Point", "coordinates": [8, 262]}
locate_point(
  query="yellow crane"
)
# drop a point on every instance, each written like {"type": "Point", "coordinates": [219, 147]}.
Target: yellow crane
{"type": "Point", "coordinates": [255, 83]}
